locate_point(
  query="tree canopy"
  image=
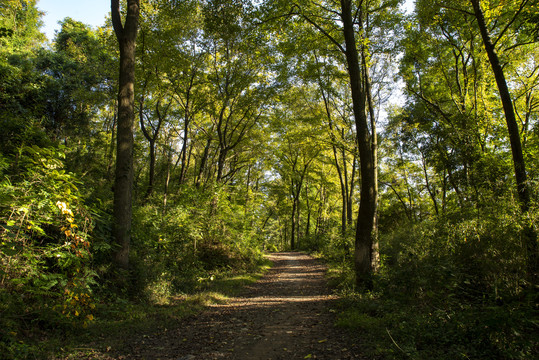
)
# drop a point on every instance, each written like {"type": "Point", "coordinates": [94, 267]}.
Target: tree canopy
{"type": "Point", "coordinates": [184, 139]}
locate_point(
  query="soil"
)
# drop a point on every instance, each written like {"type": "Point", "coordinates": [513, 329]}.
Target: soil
{"type": "Point", "coordinates": [285, 315]}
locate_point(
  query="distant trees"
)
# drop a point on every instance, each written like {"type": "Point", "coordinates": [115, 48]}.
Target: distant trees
{"type": "Point", "coordinates": [344, 26]}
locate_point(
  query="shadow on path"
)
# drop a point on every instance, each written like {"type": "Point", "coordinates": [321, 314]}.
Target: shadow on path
{"type": "Point", "coordinates": [285, 315]}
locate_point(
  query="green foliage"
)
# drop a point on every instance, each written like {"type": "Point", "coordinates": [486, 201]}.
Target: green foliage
{"type": "Point", "coordinates": [45, 247]}
{"type": "Point", "coordinates": [457, 331]}
{"type": "Point", "coordinates": [451, 287]}
{"type": "Point", "coordinates": [200, 235]}
{"type": "Point", "coordinates": [253, 140]}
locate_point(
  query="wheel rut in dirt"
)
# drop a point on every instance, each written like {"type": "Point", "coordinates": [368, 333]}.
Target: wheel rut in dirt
{"type": "Point", "coordinates": [285, 315]}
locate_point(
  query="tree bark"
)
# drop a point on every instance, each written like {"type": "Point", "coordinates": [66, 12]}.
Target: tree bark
{"type": "Point", "coordinates": [152, 138]}
{"type": "Point", "coordinates": [351, 191]}
{"type": "Point", "coordinates": [123, 185]}
{"type": "Point", "coordinates": [203, 161]}
{"type": "Point", "coordinates": [344, 193]}
{"type": "Point", "coordinates": [375, 258]}
{"type": "Point", "coordinates": [293, 225]}
{"type": "Point", "coordinates": [363, 252]}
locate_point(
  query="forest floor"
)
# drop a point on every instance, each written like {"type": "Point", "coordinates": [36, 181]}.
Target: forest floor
{"type": "Point", "coordinates": [288, 314]}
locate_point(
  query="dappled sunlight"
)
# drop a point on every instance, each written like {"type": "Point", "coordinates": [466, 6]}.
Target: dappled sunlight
{"type": "Point", "coordinates": [265, 301]}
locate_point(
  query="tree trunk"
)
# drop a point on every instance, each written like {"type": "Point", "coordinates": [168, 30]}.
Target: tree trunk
{"type": "Point", "coordinates": [167, 179]}
{"type": "Point", "coordinates": [367, 206]}
{"type": "Point", "coordinates": [123, 185]}
{"type": "Point", "coordinates": [344, 193]}
{"type": "Point", "coordinates": [293, 224]}
{"type": "Point", "coordinates": [375, 258]}
{"type": "Point", "coordinates": [530, 235]}
{"type": "Point", "coordinates": [430, 190]}
{"type": "Point", "coordinates": [151, 179]}
{"type": "Point", "coordinates": [307, 204]}
{"type": "Point", "coordinates": [351, 192]}
{"type": "Point", "coordinates": [183, 153]}
{"type": "Point", "coordinates": [221, 163]}
{"type": "Point", "coordinates": [203, 161]}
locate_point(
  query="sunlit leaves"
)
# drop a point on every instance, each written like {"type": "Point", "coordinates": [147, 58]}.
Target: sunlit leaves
{"type": "Point", "coordinates": [44, 246]}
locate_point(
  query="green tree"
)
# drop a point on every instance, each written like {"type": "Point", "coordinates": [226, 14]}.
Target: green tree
{"type": "Point", "coordinates": [512, 126]}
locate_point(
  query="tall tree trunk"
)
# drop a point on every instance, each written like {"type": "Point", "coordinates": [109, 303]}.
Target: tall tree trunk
{"type": "Point", "coordinates": [151, 140]}
{"type": "Point", "coordinates": [221, 163]}
{"type": "Point", "coordinates": [298, 227]}
{"type": "Point", "coordinates": [530, 235]}
{"type": "Point", "coordinates": [123, 185]}
{"type": "Point", "coordinates": [367, 205]}
{"type": "Point", "coordinates": [375, 258]}
{"type": "Point", "coordinates": [342, 181]}
{"type": "Point", "coordinates": [151, 175]}
{"type": "Point", "coordinates": [351, 191]}
{"type": "Point", "coordinates": [430, 190]}
{"type": "Point", "coordinates": [183, 153]}
{"type": "Point", "coordinates": [167, 179]}
{"type": "Point", "coordinates": [307, 204]}
{"type": "Point", "coordinates": [203, 161]}
{"type": "Point", "coordinates": [293, 224]}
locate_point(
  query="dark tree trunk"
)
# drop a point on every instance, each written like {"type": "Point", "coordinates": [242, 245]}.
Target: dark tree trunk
{"type": "Point", "coordinates": [351, 192]}
{"type": "Point", "coordinates": [293, 224]}
{"type": "Point", "coordinates": [152, 138]}
{"type": "Point", "coordinates": [223, 151]}
{"type": "Point", "coordinates": [167, 179]}
{"type": "Point", "coordinates": [375, 258]}
{"type": "Point", "coordinates": [151, 179]}
{"type": "Point", "coordinates": [123, 185]}
{"type": "Point", "coordinates": [363, 252]}
{"type": "Point", "coordinates": [530, 235]}
{"type": "Point", "coordinates": [307, 203]}
{"type": "Point", "coordinates": [428, 185]}
{"type": "Point", "coordinates": [183, 153]}
{"type": "Point", "coordinates": [203, 161]}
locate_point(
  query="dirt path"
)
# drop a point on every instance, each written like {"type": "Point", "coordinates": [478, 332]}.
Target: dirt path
{"type": "Point", "coordinates": [285, 315]}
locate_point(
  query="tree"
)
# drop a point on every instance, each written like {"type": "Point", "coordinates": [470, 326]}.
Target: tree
{"type": "Point", "coordinates": [512, 127]}
{"type": "Point", "coordinates": [123, 185]}
{"type": "Point", "coordinates": [20, 82]}
{"type": "Point", "coordinates": [341, 24]}
{"type": "Point", "coordinates": [238, 79]}
{"type": "Point", "coordinates": [500, 39]}
{"type": "Point", "coordinates": [296, 147]}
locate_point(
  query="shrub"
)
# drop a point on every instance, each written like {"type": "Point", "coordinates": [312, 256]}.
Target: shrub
{"type": "Point", "coordinates": [45, 256]}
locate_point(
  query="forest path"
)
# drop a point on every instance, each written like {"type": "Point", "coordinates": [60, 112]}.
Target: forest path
{"type": "Point", "coordinates": [285, 315]}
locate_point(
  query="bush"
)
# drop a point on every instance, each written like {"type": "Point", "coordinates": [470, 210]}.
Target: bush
{"type": "Point", "coordinates": [46, 262]}
{"type": "Point", "coordinates": [452, 287]}
{"type": "Point", "coordinates": [201, 233]}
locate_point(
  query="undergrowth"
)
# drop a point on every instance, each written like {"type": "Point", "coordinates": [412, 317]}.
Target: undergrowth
{"type": "Point", "coordinates": [122, 319]}
{"type": "Point", "coordinates": [448, 289]}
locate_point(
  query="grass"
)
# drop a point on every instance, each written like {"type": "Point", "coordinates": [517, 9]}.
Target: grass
{"type": "Point", "coordinates": [122, 319]}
